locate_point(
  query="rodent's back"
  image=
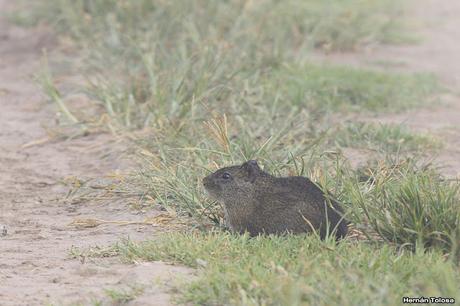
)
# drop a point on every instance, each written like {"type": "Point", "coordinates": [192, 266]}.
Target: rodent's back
{"type": "Point", "coordinates": [300, 202]}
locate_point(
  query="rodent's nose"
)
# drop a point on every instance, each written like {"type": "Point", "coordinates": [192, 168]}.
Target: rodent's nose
{"type": "Point", "coordinates": [207, 182]}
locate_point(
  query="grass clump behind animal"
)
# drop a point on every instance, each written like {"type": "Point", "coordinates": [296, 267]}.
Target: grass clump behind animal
{"type": "Point", "coordinates": [410, 205]}
{"type": "Point", "coordinates": [295, 25]}
{"type": "Point", "coordinates": [150, 62]}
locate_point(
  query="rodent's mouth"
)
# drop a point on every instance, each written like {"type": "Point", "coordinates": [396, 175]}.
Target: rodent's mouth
{"type": "Point", "coordinates": [206, 183]}
{"type": "Point", "coordinates": [209, 186]}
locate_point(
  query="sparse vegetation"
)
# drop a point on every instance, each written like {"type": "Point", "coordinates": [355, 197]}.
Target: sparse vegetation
{"type": "Point", "coordinates": [123, 296]}
{"type": "Point", "coordinates": [146, 60]}
{"type": "Point", "coordinates": [342, 89]}
{"type": "Point", "coordinates": [291, 26]}
{"type": "Point", "coordinates": [390, 138]}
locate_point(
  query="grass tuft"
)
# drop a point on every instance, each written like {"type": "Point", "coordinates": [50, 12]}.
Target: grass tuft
{"type": "Point", "coordinates": [410, 205]}
{"type": "Point", "coordinates": [123, 296]}
{"type": "Point", "coordinates": [389, 138]}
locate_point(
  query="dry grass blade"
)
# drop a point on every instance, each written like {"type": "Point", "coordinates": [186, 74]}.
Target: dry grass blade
{"type": "Point", "coordinates": [159, 220]}
{"type": "Point", "coordinates": [50, 89]}
{"type": "Point", "coordinates": [36, 142]}
{"type": "Point", "coordinates": [219, 130]}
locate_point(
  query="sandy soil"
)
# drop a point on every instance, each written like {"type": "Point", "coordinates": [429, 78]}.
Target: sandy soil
{"type": "Point", "coordinates": [35, 266]}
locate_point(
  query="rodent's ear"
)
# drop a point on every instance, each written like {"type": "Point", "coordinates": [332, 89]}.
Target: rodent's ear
{"type": "Point", "coordinates": [252, 169]}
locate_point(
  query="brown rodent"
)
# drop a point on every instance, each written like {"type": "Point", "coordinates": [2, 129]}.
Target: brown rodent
{"type": "Point", "coordinates": [259, 203]}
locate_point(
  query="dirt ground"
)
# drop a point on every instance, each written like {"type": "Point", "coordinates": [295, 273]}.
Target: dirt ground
{"type": "Point", "coordinates": [35, 264]}
{"type": "Point", "coordinates": [36, 267]}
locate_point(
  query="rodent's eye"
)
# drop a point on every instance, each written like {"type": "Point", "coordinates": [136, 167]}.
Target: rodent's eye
{"type": "Point", "coordinates": [226, 176]}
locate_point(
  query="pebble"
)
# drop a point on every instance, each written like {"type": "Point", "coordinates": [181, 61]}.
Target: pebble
{"type": "Point", "coordinates": [3, 230]}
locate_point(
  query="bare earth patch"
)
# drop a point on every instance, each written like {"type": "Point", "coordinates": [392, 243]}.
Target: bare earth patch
{"type": "Point", "coordinates": [35, 236]}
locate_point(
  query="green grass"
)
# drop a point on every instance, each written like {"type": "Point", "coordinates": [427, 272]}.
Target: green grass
{"type": "Point", "coordinates": [292, 25]}
{"type": "Point", "coordinates": [383, 137]}
{"type": "Point", "coordinates": [123, 296]}
{"type": "Point", "coordinates": [201, 89]}
{"type": "Point", "coordinates": [154, 62]}
{"type": "Point", "coordinates": [406, 203]}
{"type": "Point", "coordinates": [342, 89]}
{"type": "Point", "coordinates": [298, 270]}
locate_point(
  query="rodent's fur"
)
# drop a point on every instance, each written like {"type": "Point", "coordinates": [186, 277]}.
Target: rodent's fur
{"type": "Point", "coordinates": [259, 203]}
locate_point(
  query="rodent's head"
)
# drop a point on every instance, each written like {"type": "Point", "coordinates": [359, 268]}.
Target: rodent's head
{"type": "Point", "coordinates": [233, 182]}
